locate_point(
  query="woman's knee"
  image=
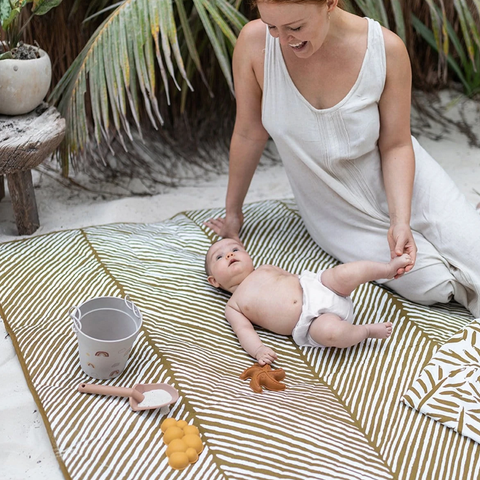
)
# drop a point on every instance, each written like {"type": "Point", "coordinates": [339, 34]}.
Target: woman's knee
{"type": "Point", "coordinates": [426, 285]}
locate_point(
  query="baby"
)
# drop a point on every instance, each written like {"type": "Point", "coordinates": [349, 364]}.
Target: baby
{"type": "Point", "coordinates": [315, 308]}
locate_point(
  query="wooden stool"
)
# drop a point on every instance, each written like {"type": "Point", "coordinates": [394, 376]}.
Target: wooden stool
{"type": "Point", "coordinates": [25, 142]}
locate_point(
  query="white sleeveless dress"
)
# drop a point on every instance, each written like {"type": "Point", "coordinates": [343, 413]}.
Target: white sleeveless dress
{"type": "Point", "coordinates": [333, 163]}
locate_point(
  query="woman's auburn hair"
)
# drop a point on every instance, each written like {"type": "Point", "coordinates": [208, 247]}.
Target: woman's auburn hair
{"type": "Point", "coordinates": [253, 3]}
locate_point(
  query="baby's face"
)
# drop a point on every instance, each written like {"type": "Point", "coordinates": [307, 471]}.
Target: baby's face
{"type": "Point", "coordinates": [228, 263]}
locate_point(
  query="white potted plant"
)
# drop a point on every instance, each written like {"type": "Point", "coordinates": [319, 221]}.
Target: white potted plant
{"type": "Point", "coordinates": [25, 70]}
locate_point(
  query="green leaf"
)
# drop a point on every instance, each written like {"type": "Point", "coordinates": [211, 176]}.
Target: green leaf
{"type": "Point", "coordinates": [190, 42]}
{"type": "Point", "coordinates": [365, 9]}
{"type": "Point", "coordinates": [232, 15]}
{"type": "Point", "coordinates": [473, 28]}
{"type": "Point", "coordinates": [429, 37]}
{"type": "Point", "coordinates": [477, 5]}
{"type": "Point", "coordinates": [382, 12]}
{"type": "Point", "coordinates": [347, 5]}
{"type": "Point", "coordinates": [216, 44]}
{"type": "Point", "coordinates": [5, 10]}
{"type": "Point", "coordinates": [6, 55]}
{"type": "Point", "coordinates": [399, 20]}
{"type": "Point", "coordinates": [227, 31]}
{"type": "Point", "coordinates": [41, 7]}
{"type": "Point", "coordinates": [465, 30]}
{"type": "Point", "coordinates": [164, 25]}
{"type": "Point", "coordinates": [117, 104]}
{"type": "Point", "coordinates": [436, 26]}
{"type": "Point", "coordinates": [8, 21]}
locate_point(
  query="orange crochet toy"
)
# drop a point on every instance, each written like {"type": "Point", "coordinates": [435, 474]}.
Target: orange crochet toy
{"type": "Point", "coordinates": [264, 376]}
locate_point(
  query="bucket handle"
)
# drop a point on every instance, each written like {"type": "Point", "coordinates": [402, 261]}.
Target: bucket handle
{"type": "Point", "coordinates": [75, 315]}
{"type": "Point", "coordinates": [132, 306]}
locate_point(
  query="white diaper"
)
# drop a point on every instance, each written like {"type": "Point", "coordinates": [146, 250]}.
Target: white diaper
{"type": "Point", "coordinates": [318, 299]}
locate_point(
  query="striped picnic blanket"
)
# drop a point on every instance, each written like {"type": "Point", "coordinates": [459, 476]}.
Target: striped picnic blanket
{"type": "Point", "coordinates": [341, 415]}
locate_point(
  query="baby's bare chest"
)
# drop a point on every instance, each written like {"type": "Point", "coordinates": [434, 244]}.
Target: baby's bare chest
{"type": "Point", "coordinates": [272, 298]}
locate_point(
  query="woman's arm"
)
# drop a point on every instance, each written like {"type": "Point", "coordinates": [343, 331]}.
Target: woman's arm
{"type": "Point", "coordinates": [249, 136]}
{"type": "Point", "coordinates": [396, 150]}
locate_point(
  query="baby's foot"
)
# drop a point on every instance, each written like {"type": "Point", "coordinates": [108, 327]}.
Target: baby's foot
{"type": "Point", "coordinates": [379, 330]}
{"type": "Point", "coordinates": [397, 263]}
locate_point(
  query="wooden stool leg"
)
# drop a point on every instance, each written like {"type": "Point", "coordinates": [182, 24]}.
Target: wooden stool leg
{"type": "Point", "coordinates": [24, 205]}
{"type": "Point", "coordinates": [2, 187]}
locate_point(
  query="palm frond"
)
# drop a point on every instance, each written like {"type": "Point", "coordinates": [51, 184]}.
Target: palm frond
{"type": "Point", "coordinates": [117, 67]}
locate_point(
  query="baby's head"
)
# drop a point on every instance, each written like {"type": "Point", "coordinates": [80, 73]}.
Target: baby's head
{"type": "Point", "coordinates": [227, 264]}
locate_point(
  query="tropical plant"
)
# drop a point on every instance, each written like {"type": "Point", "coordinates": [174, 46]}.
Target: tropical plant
{"type": "Point", "coordinates": [378, 11]}
{"type": "Point", "coordinates": [13, 23]}
{"type": "Point", "coordinates": [118, 65]}
{"type": "Point", "coordinates": [466, 61]}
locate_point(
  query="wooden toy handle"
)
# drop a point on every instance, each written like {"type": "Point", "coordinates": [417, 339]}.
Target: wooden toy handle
{"type": "Point", "coordinates": [107, 390]}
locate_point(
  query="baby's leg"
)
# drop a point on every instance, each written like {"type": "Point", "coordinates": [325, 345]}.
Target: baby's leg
{"type": "Point", "coordinates": [330, 330]}
{"type": "Point", "coordinates": [344, 279]}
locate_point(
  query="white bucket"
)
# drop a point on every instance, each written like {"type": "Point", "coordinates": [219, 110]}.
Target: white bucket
{"type": "Point", "coordinates": [106, 329]}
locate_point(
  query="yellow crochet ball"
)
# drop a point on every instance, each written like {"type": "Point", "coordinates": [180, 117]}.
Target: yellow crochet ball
{"type": "Point", "coordinates": [182, 423]}
{"type": "Point", "coordinates": [192, 454]}
{"type": "Point", "coordinates": [167, 423]}
{"type": "Point", "coordinates": [178, 460]}
{"type": "Point", "coordinates": [172, 433]}
{"type": "Point", "coordinates": [194, 441]}
{"type": "Point", "coordinates": [176, 445]}
{"type": "Point", "coordinates": [191, 429]}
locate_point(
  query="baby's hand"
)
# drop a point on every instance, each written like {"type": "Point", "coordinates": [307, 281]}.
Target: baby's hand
{"type": "Point", "coordinates": [265, 355]}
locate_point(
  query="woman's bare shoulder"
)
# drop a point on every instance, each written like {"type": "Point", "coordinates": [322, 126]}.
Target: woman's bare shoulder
{"type": "Point", "coordinates": [394, 46]}
{"type": "Point", "coordinates": [250, 48]}
{"type": "Point", "coordinates": [252, 34]}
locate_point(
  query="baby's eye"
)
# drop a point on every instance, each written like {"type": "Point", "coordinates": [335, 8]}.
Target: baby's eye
{"type": "Point", "coordinates": [271, 26]}
{"type": "Point", "coordinates": [234, 249]}
{"type": "Point", "coordinates": [295, 29]}
{"type": "Point", "coordinates": [218, 257]}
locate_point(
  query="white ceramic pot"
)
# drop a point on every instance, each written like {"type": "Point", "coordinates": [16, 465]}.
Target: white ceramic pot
{"type": "Point", "coordinates": [24, 84]}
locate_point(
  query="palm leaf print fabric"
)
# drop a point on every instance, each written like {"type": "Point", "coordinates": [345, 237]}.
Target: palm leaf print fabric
{"type": "Point", "coordinates": [340, 416]}
{"type": "Point", "coordinates": [448, 388]}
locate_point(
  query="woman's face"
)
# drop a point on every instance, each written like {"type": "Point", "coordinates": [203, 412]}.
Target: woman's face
{"type": "Point", "coordinates": [301, 27]}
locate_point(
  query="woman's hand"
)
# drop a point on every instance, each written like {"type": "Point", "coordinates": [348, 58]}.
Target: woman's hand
{"type": "Point", "coordinates": [400, 241]}
{"type": "Point", "coordinates": [226, 227]}
{"type": "Point", "coordinates": [265, 355]}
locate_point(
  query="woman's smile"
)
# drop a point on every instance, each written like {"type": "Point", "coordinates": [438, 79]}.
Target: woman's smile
{"type": "Point", "coordinates": [297, 46]}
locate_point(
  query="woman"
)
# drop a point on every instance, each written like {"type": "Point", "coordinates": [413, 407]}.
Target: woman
{"type": "Point", "coordinates": [333, 90]}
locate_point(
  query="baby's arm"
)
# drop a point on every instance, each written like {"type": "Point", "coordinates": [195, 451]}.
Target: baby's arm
{"type": "Point", "coordinates": [344, 279]}
{"type": "Point", "coordinates": [248, 337]}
